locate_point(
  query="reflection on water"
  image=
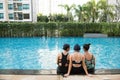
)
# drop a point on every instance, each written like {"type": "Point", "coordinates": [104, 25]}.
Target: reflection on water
{"type": "Point", "coordinates": [48, 58]}
{"type": "Point", "coordinates": [40, 53]}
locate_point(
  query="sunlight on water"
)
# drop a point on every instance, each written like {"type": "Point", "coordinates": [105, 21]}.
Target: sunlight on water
{"type": "Point", "coordinates": [48, 58]}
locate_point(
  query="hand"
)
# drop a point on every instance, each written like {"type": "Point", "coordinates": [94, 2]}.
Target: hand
{"type": "Point", "coordinates": [66, 75]}
{"type": "Point", "coordinates": [89, 75]}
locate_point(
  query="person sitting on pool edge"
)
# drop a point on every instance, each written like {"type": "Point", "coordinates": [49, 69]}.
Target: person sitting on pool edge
{"type": "Point", "coordinates": [63, 60]}
{"type": "Point", "coordinates": [76, 63]}
{"type": "Point", "coordinates": [89, 59]}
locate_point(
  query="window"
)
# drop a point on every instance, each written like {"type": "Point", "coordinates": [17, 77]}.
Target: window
{"type": "Point", "coordinates": [11, 16]}
{"type": "Point", "coordinates": [25, 6]}
{"type": "Point", "coordinates": [10, 6]}
{"type": "Point", "coordinates": [26, 16]}
{"type": "Point", "coordinates": [20, 16]}
{"type": "Point", "coordinates": [19, 7]}
{"type": "Point", "coordinates": [1, 5]}
{"type": "Point", "coordinates": [1, 15]}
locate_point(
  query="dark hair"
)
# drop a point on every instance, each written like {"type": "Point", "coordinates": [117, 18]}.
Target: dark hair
{"type": "Point", "coordinates": [66, 46]}
{"type": "Point", "coordinates": [86, 46]}
{"type": "Point", "coordinates": [77, 47]}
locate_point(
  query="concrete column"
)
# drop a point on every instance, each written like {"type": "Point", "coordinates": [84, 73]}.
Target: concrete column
{"type": "Point", "coordinates": [33, 10]}
{"type": "Point", "coordinates": [6, 10]}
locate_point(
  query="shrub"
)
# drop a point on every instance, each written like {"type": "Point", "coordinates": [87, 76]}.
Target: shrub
{"type": "Point", "coordinates": [52, 29]}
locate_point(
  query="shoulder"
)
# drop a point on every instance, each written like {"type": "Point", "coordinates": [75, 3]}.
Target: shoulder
{"type": "Point", "coordinates": [93, 56]}
{"type": "Point", "coordinates": [59, 54]}
{"type": "Point", "coordinates": [71, 55]}
{"type": "Point", "coordinates": [83, 56]}
{"type": "Point", "coordinates": [68, 55]}
{"type": "Point", "coordinates": [91, 53]}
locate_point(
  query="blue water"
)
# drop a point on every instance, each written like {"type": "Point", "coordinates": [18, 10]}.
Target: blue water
{"type": "Point", "coordinates": [40, 53]}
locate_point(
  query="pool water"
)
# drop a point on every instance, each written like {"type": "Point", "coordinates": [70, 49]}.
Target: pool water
{"type": "Point", "coordinates": [40, 53]}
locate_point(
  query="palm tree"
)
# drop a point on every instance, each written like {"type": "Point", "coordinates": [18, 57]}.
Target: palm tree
{"type": "Point", "coordinates": [68, 10]}
{"type": "Point", "coordinates": [92, 10]}
{"type": "Point", "coordinates": [80, 13]}
{"type": "Point", "coordinates": [117, 11]}
{"type": "Point", "coordinates": [106, 11]}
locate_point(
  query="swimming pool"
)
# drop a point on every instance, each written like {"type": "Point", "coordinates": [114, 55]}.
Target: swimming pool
{"type": "Point", "coordinates": [40, 53]}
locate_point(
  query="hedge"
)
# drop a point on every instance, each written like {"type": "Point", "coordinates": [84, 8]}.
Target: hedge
{"type": "Point", "coordinates": [57, 29]}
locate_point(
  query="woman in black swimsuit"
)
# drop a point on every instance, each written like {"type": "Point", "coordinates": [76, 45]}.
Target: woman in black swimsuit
{"type": "Point", "coordinates": [77, 64]}
{"type": "Point", "coordinates": [63, 60]}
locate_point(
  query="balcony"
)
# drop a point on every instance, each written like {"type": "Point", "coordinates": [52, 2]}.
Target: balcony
{"type": "Point", "coordinates": [17, 6]}
{"type": "Point", "coordinates": [18, 16]}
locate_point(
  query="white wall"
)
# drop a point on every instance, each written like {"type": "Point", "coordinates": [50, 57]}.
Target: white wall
{"type": "Point", "coordinates": [29, 11]}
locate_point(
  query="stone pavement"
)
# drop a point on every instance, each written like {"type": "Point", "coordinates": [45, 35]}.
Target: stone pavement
{"type": "Point", "coordinates": [58, 77]}
{"type": "Point", "coordinates": [94, 77]}
{"type": "Point", "coordinates": [101, 74]}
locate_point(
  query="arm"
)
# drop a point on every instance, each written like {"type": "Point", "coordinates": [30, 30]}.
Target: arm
{"type": "Point", "coordinates": [58, 57]}
{"type": "Point", "coordinates": [84, 65]}
{"type": "Point", "coordinates": [94, 59]}
{"type": "Point", "coordinates": [69, 67]}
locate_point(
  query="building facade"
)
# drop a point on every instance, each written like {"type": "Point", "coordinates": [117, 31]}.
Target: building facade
{"type": "Point", "coordinates": [18, 10]}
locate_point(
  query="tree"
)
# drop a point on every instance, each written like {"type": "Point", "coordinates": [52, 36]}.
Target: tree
{"type": "Point", "coordinates": [92, 10]}
{"type": "Point", "coordinates": [59, 18]}
{"type": "Point", "coordinates": [117, 14]}
{"type": "Point", "coordinates": [80, 13]}
{"type": "Point", "coordinates": [42, 18]}
{"type": "Point", "coordinates": [106, 11]}
{"type": "Point", "coordinates": [68, 10]}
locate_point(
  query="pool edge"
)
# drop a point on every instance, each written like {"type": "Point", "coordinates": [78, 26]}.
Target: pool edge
{"type": "Point", "coordinates": [52, 71]}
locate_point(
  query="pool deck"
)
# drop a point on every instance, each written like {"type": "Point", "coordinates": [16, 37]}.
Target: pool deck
{"type": "Point", "coordinates": [51, 75]}
{"type": "Point", "coordinates": [58, 77]}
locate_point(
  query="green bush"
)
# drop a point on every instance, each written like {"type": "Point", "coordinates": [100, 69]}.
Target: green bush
{"type": "Point", "coordinates": [59, 18]}
{"type": "Point", "coordinates": [53, 29]}
{"type": "Point", "coordinates": [41, 18]}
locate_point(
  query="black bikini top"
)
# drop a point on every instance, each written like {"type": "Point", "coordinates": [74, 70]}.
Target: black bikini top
{"type": "Point", "coordinates": [74, 62]}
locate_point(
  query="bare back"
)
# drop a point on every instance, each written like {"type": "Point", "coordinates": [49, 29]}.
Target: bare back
{"type": "Point", "coordinates": [76, 59]}
{"type": "Point", "coordinates": [88, 56]}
